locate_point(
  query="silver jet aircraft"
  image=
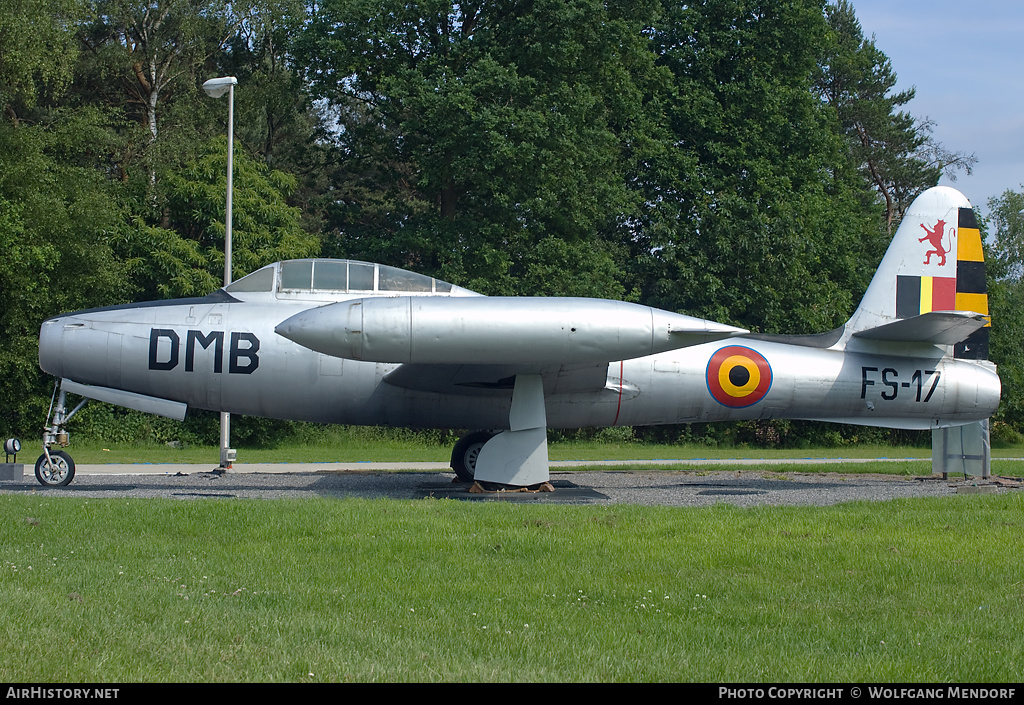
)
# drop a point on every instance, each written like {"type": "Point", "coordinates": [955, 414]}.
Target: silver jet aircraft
{"type": "Point", "coordinates": [349, 342]}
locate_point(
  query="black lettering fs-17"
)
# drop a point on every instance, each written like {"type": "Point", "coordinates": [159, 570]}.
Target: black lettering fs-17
{"type": "Point", "coordinates": [242, 354]}
{"type": "Point", "coordinates": [890, 379]}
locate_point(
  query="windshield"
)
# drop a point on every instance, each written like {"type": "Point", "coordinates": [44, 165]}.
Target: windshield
{"type": "Point", "coordinates": [339, 276]}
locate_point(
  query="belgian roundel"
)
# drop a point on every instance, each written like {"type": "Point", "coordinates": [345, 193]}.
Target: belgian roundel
{"type": "Point", "coordinates": [738, 376]}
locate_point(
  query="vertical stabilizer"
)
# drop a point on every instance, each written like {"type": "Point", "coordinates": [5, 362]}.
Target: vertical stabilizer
{"type": "Point", "coordinates": [935, 263]}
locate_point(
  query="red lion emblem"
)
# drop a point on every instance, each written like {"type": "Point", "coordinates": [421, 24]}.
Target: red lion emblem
{"type": "Point", "coordinates": [934, 238]}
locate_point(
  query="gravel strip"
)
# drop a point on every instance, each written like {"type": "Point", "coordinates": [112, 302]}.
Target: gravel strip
{"type": "Point", "coordinates": [680, 489]}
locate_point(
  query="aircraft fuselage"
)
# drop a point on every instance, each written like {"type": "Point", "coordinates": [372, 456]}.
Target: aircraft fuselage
{"type": "Point", "coordinates": [224, 355]}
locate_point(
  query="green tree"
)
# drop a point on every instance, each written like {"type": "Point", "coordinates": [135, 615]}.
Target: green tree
{"type": "Point", "coordinates": [275, 119]}
{"type": "Point", "coordinates": [756, 215]}
{"type": "Point", "coordinates": [275, 116]}
{"type": "Point", "coordinates": [1006, 302]}
{"type": "Point", "coordinates": [142, 51]}
{"type": "Point", "coordinates": [472, 132]}
{"type": "Point", "coordinates": [58, 221]}
{"type": "Point", "coordinates": [37, 50]}
{"type": "Point", "coordinates": [895, 152]}
{"type": "Point", "coordinates": [58, 211]}
{"type": "Point", "coordinates": [142, 61]}
{"type": "Point", "coordinates": [186, 258]}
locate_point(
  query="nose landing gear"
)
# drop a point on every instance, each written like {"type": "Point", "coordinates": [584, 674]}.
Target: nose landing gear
{"type": "Point", "coordinates": [55, 468]}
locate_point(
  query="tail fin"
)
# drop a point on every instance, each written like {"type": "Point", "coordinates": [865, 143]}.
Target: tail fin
{"type": "Point", "coordinates": [930, 286]}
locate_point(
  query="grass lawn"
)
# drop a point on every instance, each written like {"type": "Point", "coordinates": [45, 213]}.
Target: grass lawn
{"type": "Point", "coordinates": [437, 590]}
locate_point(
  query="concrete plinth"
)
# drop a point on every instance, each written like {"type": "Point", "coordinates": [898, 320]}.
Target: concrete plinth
{"type": "Point", "coordinates": [976, 489]}
{"type": "Point", "coordinates": [12, 471]}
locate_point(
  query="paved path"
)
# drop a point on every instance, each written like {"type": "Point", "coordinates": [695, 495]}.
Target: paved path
{"type": "Point", "coordinates": [278, 468]}
{"type": "Point", "coordinates": [743, 486]}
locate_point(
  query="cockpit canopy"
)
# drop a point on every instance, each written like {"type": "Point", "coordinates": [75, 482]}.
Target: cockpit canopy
{"type": "Point", "coordinates": [338, 278]}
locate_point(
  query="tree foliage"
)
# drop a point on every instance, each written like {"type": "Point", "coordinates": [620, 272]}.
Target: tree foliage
{"type": "Point", "coordinates": [734, 159]}
{"type": "Point", "coordinates": [1006, 301]}
{"type": "Point", "coordinates": [895, 152]}
{"type": "Point", "coordinates": [186, 256]}
{"type": "Point", "coordinates": [37, 52]}
{"type": "Point", "coordinates": [58, 221]}
{"type": "Point", "coordinates": [473, 132]}
{"type": "Point", "coordinates": [755, 216]}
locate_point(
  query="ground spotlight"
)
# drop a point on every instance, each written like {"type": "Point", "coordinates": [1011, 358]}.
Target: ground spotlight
{"type": "Point", "coordinates": [12, 446]}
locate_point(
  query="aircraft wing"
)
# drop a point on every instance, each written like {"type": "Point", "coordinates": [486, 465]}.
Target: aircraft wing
{"type": "Point", "coordinates": [481, 379]}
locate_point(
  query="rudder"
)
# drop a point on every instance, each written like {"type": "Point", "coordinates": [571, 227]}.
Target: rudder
{"type": "Point", "coordinates": [971, 286]}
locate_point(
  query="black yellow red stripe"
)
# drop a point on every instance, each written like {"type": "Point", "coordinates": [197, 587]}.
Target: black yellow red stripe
{"type": "Point", "coordinates": [971, 287]}
{"type": "Point", "coordinates": [917, 295]}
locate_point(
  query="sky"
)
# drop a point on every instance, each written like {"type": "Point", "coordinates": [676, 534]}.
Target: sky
{"type": "Point", "coordinates": [966, 61]}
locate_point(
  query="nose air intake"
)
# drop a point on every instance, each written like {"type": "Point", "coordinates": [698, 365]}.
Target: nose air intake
{"type": "Point", "coordinates": [51, 346]}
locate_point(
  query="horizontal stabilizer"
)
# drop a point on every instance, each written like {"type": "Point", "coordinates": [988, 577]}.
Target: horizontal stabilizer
{"type": "Point", "coordinates": [938, 327]}
{"type": "Point", "coordinates": [140, 402]}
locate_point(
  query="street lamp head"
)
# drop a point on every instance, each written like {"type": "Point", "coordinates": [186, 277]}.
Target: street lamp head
{"type": "Point", "coordinates": [216, 87]}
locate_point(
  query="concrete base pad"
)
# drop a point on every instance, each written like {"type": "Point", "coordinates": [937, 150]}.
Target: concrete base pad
{"type": "Point", "coordinates": [562, 492]}
{"type": "Point", "coordinates": [976, 489]}
{"type": "Point", "coordinates": [12, 471]}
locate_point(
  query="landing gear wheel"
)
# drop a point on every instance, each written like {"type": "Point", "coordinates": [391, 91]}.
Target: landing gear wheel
{"type": "Point", "coordinates": [57, 472]}
{"type": "Point", "coordinates": [466, 452]}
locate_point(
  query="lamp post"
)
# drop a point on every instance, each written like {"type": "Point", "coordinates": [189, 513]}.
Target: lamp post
{"type": "Point", "coordinates": [215, 88]}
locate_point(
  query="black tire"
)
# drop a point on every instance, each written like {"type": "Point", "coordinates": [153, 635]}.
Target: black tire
{"type": "Point", "coordinates": [59, 474]}
{"type": "Point", "coordinates": [465, 453]}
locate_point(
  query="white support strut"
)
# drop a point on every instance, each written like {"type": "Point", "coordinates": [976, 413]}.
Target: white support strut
{"type": "Point", "coordinates": [519, 456]}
